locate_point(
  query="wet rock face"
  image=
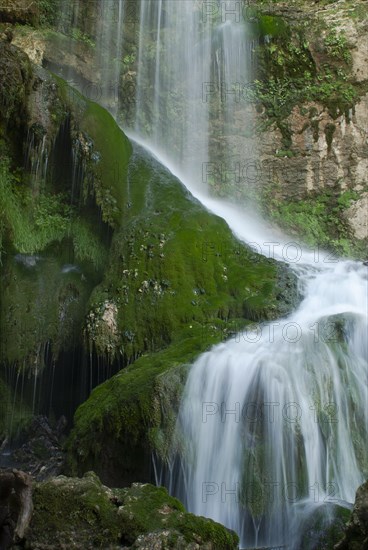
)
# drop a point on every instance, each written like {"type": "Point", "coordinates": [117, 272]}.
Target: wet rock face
{"type": "Point", "coordinates": [327, 150]}
{"type": "Point", "coordinates": [15, 506]}
{"type": "Point", "coordinates": [15, 79]}
{"type": "Point", "coordinates": [356, 533]}
{"type": "Point", "coordinates": [41, 454]}
{"type": "Point", "coordinates": [19, 11]}
{"type": "Point", "coordinates": [357, 217]}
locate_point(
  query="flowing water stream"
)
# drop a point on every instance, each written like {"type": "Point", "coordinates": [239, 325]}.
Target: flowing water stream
{"type": "Point", "coordinates": [273, 423]}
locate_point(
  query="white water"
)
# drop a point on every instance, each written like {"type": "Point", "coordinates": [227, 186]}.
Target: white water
{"type": "Point", "coordinates": [273, 423]}
{"type": "Point", "coordinates": [298, 386]}
{"type": "Point", "coordinates": [296, 395]}
{"type": "Point", "coordinates": [192, 64]}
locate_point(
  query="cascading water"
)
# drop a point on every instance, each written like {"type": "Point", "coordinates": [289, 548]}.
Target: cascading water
{"type": "Point", "coordinates": [191, 67]}
{"type": "Point", "coordinates": [273, 423]}
{"type": "Point", "coordinates": [275, 420]}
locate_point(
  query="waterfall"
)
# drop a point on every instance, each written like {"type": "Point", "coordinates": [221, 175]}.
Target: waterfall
{"type": "Point", "coordinates": [192, 65]}
{"type": "Point", "coordinates": [273, 422]}
{"type": "Point", "coordinates": [276, 418]}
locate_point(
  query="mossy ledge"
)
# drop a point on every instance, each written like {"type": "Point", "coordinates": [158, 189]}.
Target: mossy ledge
{"type": "Point", "coordinates": [134, 412]}
{"type": "Point", "coordinates": [173, 263]}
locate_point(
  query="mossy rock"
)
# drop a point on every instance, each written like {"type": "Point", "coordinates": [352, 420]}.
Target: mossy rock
{"type": "Point", "coordinates": [15, 81]}
{"type": "Point", "coordinates": [174, 270]}
{"type": "Point", "coordinates": [356, 532]}
{"type": "Point", "coordinates": [173, 263]}
{"type": "Point", "coordinates": [324, 527]}
{"type": "Point", "coordinates": [104, 151]}
{"type": "Point", "coordinates": [133, 413]}
{"type": "Point", "coordinates": [83, 513]}
{"type": "Point", "coordinates": [44, 228]}
{"type": "Point", "coordinates": [42, 304]}
{"type": "Point", "coordinates": [14, 415]}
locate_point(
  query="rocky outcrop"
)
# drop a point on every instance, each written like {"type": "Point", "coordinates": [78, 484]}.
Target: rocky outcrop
{"type": "Point", "coordinates": [16, 506]}
{"type": "Point", "coordinates": [20, 11]}
{"type": "Point", "coordinates": [356, 532]}
{"type": "Point", "coordinates": [83, 513]}
{"type": "Point", "coordinates": [324, 152]}
{"type": "Point", "coordinates": [322, 527]}
{"type": "Point", "coordinates": [314, 122]}
{"type": "Point", "coordinates": [357, 216]}
{"type": "Point", "coordinates": [41, 454]}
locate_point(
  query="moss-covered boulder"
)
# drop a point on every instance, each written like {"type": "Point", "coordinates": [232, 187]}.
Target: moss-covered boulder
{"type": "Point", "coordinates": [356, 532]}
{"type": "Point", "coordinates": [323, 527]}
{"type": "Point", "coordinates": [133, 413]}
{"type": "Point", "coordinates": [173, 263]}
{"type": "Point", "coordinates": [83, 513]}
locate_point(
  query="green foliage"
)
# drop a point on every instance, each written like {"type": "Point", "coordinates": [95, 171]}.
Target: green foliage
{"type": "Point", "coordinates": [279, 96]}
{"type": "Point", "coordinates": [318, 219]}
{"type": "Point", "coordinates": [78, 35]}
{"type": "Point", "coordinates": [32, 223]}
{"type": "Point", "coordinates": [48, 12]}
{"type": "Point", "coordinates": [337, 45]}
{"type": "Point", "coordinates": [129, 59]}
{"type": "Point", "coordinates": [288, 75]}
{"type": "Point", "coordinates": [13, 415]}
{"type": "Point", "coordinates": [345, 199]}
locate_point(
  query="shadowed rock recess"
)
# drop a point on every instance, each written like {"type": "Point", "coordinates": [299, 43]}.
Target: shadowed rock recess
{"type": "Point", "coordinates": [114, 278]}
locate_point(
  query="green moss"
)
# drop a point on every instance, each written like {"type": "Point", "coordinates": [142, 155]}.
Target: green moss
{"type": "Point", "coordinates": [108, 162]}
{"type": "Point", "coordinates": [329, 132]}
{"type": "Point", "coordinates": [168, 270]}
{"type": "Point", "coordinates": [124, 413]}
{"type": "Point", "coordinates": [41, 305]}
{"type": "Point", "coordinates": [324, 527]}
{"type": "Point", "coordinates": [318, 219]}
{"type": "Point", "coordinates": [272, 25]}
{"type": "Point", "coordinates": [111, 170]}
{"type": "Point", "coordinates": [82, 512]}
{"type": "Point", "coordinates": [13, 415]}
{"type": "Point", "coordinates": [64, 506]}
